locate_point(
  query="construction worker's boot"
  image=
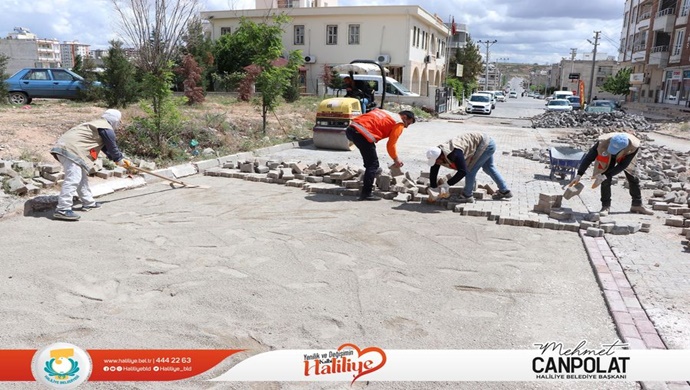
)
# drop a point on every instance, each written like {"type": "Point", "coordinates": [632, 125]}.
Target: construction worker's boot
{"type": "Point", "coordinates": [641, 210]}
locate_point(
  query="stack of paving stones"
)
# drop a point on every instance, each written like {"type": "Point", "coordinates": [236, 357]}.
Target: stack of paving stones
{"type": "Point", "coordinates": [28, 179]}
{"type": "Point", "coordinates": [343, 180]}
{"type": "Point", "coordinates": [610, 121]}
{"type": "Point", "coordinates": [665, 171]}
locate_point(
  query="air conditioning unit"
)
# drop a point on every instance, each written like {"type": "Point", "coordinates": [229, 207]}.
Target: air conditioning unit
{"type": "Point", "coordinates": [309, 59]}
{"type": "Point", "coordinates": [383, 59]}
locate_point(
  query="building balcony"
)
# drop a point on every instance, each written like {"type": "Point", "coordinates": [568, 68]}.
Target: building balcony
{"type": "Point", "coordinates": [642, 24]}
{"type": "Point", "coordinates": [659, 56]}
{"type": "Point", "coordinates": [639, 56]}
{"type": "Point", "coordinates": [665, 20]}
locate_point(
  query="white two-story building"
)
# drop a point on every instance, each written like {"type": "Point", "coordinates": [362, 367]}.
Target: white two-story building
{"type": "Point", "coordinates": [409, 41]}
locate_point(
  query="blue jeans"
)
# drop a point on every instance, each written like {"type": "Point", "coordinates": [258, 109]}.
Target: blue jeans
{"type": "Point", "coordinates": [363, 103]}
{"type": "Point", "coordinates": [485, 162]}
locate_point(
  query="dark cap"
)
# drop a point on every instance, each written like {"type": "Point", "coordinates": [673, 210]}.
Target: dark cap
{"type": "Point", "coordinates": [408, 114]}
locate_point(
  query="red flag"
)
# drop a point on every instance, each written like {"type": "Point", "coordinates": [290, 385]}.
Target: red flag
{"type": "Point", "coordinates": [453, 27]}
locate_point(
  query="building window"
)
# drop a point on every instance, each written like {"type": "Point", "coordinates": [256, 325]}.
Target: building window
{"type": "Point", "coordinates": [353, 34]}
{"type": "Point", "coordinates": [685, 7]}
{"type": "Point", "coordinates": [414, 36]}
{"type": "Point", "coordinates": [606, 70]}
{"type": "Point", "coordinates": [332, 34]}
{"type": "Point", "coordinates": [299, 34]}
{"type": "Point", "coordinates": [418, 34]}
{"type": "Point", "coordinates": [225, 30]}
{"type": "Point", "coordinates": [678, 46]}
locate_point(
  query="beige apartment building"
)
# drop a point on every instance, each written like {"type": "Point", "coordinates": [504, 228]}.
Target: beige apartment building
{"type": "Point", "coordinates": [409, 41]}
{"type": "Point", "coordinates": [567, 74]}
{"type": "Point", "coordinates": [654, 42]}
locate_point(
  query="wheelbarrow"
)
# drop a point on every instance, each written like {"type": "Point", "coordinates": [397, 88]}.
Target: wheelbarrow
{"type": "Point", "coordinates": [564, 160]}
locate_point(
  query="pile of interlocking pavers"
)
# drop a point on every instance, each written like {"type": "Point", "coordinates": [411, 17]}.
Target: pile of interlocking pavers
{"type": "Point", "coordinates": [659, 168]}
{"type": "Point", "coordinates": [29, 178]}
{"type": "Point", "coordinates": [596, 120]}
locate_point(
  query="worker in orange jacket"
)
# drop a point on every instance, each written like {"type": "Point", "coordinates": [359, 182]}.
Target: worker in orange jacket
{"type": "Point", "coordinates": [366, 130]}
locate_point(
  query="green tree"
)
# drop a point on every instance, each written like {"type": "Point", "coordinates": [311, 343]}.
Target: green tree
{"type": "Point", "coordinates": [120, 85]}
{"type": "Point", "coordinates": [258, 46]}
{"type": "Point", "coordinates": [155, 30]}
{"type": "Point", "coordinates": [274, 80]}
{"type": "Point", "coordinates": [86, 68]}
{"type": "Point", "coordinates": [472, 66]}
{"type": "Point", "coordinates": [618, 84]}
{"type": "Point", "coordinates": [251, 43]}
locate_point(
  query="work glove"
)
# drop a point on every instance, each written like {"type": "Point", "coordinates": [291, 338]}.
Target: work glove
{"type": "Point", "coordinates": [124, 163]}
{"type": "Point", "coordinates": [445, 191]}
{"type": "Point", "coordinates": [432, 193]}
{"type": "Point", "coordinates": [575, 180]}
{"type": "Point", "coordinates": [598, 179]}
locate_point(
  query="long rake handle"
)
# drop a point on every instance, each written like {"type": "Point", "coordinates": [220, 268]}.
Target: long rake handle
{"type": "Point", "coordinates": [158, 175]}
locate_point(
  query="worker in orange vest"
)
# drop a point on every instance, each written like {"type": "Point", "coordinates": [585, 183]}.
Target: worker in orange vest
{"type": "Point", "coordinates": [366, 130]}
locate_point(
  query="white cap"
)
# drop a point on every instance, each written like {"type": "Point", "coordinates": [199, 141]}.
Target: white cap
{"type": "Point", "coordinates": [113, 117]}
{"type": "Point", "coordinates": [432, 154]}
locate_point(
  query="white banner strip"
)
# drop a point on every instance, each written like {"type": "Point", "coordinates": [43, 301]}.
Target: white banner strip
{"type": "Point", "coordinates": [375, 364]}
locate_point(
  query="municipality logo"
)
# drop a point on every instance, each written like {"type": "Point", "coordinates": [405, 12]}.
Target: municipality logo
{"type": "Point", "coordinates": [61, 366]}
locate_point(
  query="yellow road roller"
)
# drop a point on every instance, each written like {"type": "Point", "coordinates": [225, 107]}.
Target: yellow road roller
{"type": "Point", "coordinates": [332, 118]}
{"type": "Point", "coordinates": [334, 114]}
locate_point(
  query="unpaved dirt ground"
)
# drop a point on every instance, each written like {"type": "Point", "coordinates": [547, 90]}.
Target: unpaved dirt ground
{"type": "Point", "coordinates": [28, 132]}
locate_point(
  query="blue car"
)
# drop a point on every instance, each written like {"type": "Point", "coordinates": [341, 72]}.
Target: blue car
{"type": "Point", "coordinates": [56, 83]}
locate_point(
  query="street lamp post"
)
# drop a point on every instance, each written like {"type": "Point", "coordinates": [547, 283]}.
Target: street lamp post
{"type": "Point", "coordinates": [488, 45]}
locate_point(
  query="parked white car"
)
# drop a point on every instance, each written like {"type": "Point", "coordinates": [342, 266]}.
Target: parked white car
{"type": "Point", "coordinates": [558, 105]}
{"type": "Point", "coordinates": [479, 103]}
{"type": "Point", "coordinates": [500, 96]}
{"type": "Point", "coordinates": [512, 95]}
{"type": "Point", "coordinates": [492, 96]}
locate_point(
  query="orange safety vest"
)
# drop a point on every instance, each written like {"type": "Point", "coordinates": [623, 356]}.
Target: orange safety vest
{"type": "Point", "coordinates": [376, 125]}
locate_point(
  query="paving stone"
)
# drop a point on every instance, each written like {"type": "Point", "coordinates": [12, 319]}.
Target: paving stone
{"type": "Point", "coordinates": [263, 169]}
{"type": "Point", "coordinates": [7, 171]}
{"type": "Point", "coordinates": [675, 221]}
{"type": "Point", "coordinates": [587, 224]}
{"type": "Point", "coordinates": [594, 232]}
{"type": "Point", "coordinates": [104, 174]}
{"type": "Point", "coordinates": [402, 197]}
{"type": "Point", "coordinates": [184, 170]}
{"type": "Point", "coordinates": [314, 179]}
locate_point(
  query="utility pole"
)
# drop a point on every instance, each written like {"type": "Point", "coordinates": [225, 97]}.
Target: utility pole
{"type": "Point", "coordinates": [594, 62]}
{"type": "Point", "coordinates": [488, 45]}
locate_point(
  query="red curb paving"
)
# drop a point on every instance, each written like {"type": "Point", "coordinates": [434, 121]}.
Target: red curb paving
{"type": "Point", "coordinates": [630, 319]}
{"type": "Point", "coordinates": [632, 322]}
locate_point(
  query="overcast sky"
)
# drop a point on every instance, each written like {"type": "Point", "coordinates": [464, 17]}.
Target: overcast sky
{"type": "Point", "coordinates": [528, 31]}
